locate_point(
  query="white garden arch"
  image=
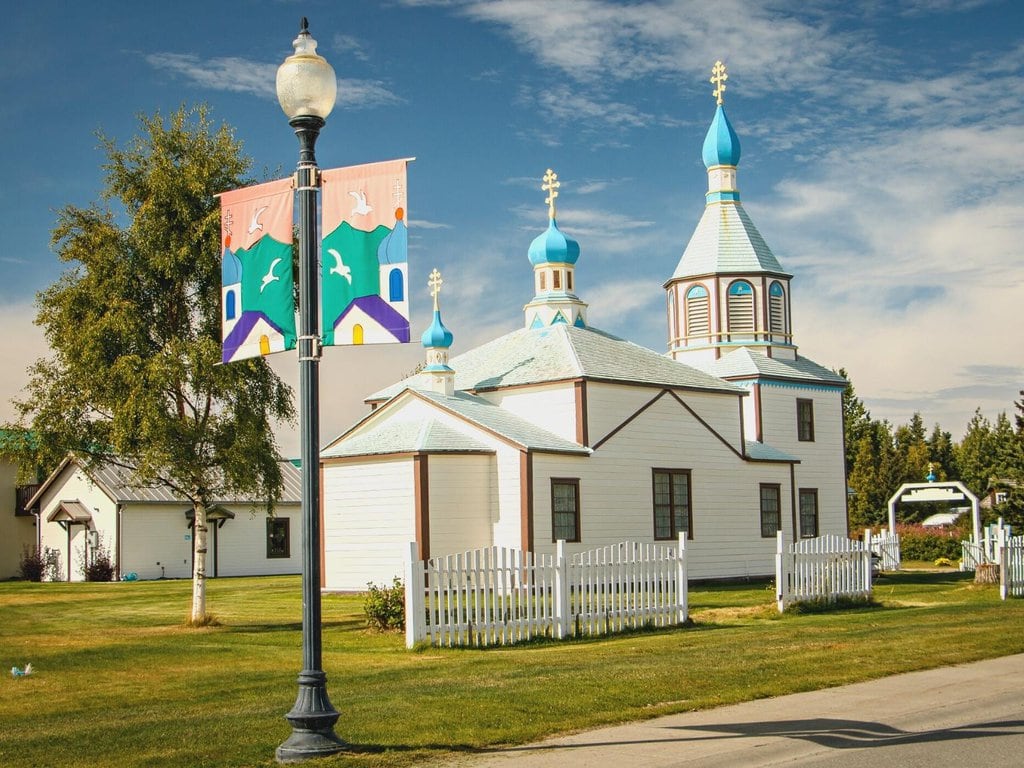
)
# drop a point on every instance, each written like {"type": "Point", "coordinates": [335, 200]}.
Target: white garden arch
{"type": "Point", "coordinates": [949, 491]}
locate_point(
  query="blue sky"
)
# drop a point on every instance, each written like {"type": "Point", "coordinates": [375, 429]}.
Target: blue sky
{"type": "Point", "coordinates": [881, 160]}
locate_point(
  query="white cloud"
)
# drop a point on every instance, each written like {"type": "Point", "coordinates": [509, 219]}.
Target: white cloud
{"type": "Point", "coordinates": [24, 343]}
{"type": "Point", "coordinates": [232, 73]}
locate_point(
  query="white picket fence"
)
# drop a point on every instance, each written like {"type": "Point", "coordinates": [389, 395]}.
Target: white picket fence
{"type": "Point", "coordinates": [886, 545]}
{"type": "Point", "coordinates": [1011, 567]}
{"type": "Point", "coordinates": [825, 568]}
{"type": "Point", "coordinates": [975, 552]}
{"type": "Point", "coordinates": [499, 596]}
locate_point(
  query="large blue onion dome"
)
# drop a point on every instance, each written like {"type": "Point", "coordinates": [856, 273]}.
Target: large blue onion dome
{"type": "Point", "coordinates": [437, 336]}
{"type": "Point", "coordinates": [721, 145]}
{"type": "Point", "coordinates": [230, 268]}
{"type": "Point", "coordinates": [553, 247]}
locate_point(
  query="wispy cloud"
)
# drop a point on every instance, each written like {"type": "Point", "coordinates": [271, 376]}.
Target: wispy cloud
{"type": "Point", "coordinates": [232, 73]}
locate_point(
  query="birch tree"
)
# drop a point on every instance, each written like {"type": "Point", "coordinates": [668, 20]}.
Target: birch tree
{"type": "Point", "coordinates": [133, 327]}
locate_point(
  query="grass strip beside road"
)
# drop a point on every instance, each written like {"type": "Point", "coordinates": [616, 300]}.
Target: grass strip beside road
{"type": "Point", "coordinates": [121, 682]}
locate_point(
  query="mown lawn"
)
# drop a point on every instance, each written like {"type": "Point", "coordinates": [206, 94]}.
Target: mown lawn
{"type": "Point", "coordinates": [119, 681]}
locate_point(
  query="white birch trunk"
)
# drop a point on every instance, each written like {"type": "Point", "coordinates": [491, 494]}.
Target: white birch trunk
{"type": "Point", "coordinates": [199, 538]}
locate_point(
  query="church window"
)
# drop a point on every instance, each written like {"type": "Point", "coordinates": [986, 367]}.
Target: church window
{"type": "Point", "coordinates": [556, 280]}
{"type": "Point", "coordinates": [777, 308]}
{"type": "Point", "coordinates": [568, 280]}
{"type": "Point", "coordinates": [543, 281]}
{"type": "Point", "coordinates": [278, 538]}
{"type": "Point", "coordinates": [357, 334]}
{"type": "Point", "coordinates": [698, 311]}
{"type": "Point", "coordinates": [230, 306]}
{"type": "Point", "coordinates": [771, 510]}
{"type": "Point", "coordinates": [565, 509]}
{"type": "Point", "coordinates": [808, 513]}
{"type": "Point", "coordinates": [805, 420]}
{"type": "Point", "coordinates": [396, 285]}
{"type": "Point", "coordinates": [264, 344]}
{"type": "Point", "coordinates": [672, 512]}
{"type": "Point", "coordinates": [741, 308]}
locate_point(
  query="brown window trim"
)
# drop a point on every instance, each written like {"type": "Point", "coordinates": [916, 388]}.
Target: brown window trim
{"type": "Point", "coordinates": [575, 482]}
{"type": "Point", "coordinates": [800, 512]}
{"type": "Point", "coordinates": [778, 508]}
{"type": "Point", "coordinates": [672, 511]}
{"type": "Point", "coordinates": [271, 521]}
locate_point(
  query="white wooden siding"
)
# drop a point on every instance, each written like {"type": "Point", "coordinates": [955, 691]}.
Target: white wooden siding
{"type": "Point", "coordinates": [242, 543]}
{"type": "Point", "coordinates": [155, 542]}
{"type": "Point", "coordinates": [369, 518]}
{"type": "Point", "coordinates": [616, 493]}
{"type": "Point", "coordinates": [551, 407]}
{"type": "Point", "coordinates": [822, 463]}
{"type": "Point", "coordinates": [460, 499]}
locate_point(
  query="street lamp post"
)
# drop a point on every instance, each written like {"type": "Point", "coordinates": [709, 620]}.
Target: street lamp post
{"type": "Point", "coordinates": [306, 89]}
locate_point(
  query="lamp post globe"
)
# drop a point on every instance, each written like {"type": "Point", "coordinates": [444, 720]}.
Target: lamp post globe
{"type": "Point", "coordinates": [306, 89]}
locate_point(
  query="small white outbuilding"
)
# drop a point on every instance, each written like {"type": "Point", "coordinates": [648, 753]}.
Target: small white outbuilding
{"type": "Point", "coordinates": [147, 530]}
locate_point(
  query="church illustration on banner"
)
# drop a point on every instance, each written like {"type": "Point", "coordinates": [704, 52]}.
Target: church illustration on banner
{"type": "Point", "coordinates": [365, 271]}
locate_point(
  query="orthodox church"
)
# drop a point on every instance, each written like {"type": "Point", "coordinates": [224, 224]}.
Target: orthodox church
{"type": "Point", "coordinates": [561, 431]}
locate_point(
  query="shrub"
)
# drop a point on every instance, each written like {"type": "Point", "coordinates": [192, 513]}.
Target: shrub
{"type": "Point", "coordinates": [99, 566]}
{"type": "Point", "coordinates": [945, 562]}
{"type": "Point", "coordinates": [929, 544]}
{"type": "Point", "coordinates": [385, 606]}
{"type": "Point", "coordinates": [52, 569]}
{"type": "Point", "coordinates": [32, 565]}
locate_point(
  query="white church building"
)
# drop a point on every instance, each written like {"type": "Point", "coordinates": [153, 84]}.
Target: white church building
{"type": "Point", "coordinates": [559, 430]}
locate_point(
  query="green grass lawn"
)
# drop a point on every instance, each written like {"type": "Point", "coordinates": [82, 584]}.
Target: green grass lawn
{"type": "Point", "coordinates": [120, 681]}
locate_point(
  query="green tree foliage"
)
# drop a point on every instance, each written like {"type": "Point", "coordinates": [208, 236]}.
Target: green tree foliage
{"type": "Point", "coordinates": [856, 421]}
{"type": "Point", "coordinates": [974, 454]}
{"type": "Point", "coordinates": [134, 327]}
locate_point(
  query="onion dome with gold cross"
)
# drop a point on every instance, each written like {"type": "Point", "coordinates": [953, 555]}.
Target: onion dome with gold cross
{"type": "Point", "coordinates": [728, 289]}
{"type": "Point", "coordinates": [437, 340]}
{"type": "Point", "coordinates": [553, 255]}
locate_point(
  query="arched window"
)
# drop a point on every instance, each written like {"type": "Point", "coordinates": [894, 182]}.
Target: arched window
{"type": "Point", "coordinates": [396, 285]}
{"type": "Point", "coordinates": [741, 308]}
{"type": "Point", "coordinates": [264, 344]}
{"type": "Point", "coordinates": [230, 305]}
{"type": "Point", "coordinates": [777, 308]}
{"type": "Point", "coordinates": [698, 311]}
{"type": "Point", "coordinates": [357, 334]}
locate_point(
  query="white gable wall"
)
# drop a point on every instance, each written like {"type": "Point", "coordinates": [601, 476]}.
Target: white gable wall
{"type": "Point", "coordinates": [609, 405]}
{"type": "Point", "coordinates": [242, 543]}
{"type": "Point", "coordinates": [369, 519]}
{"type": "Point", "coordinates": [617, 495]}
{"type": "Point", "coordinates": [461, 502]}
{"type": "Point", "coordinates": [16, 532]}
{"type": "Point", "coordinates": [821, 461]}
{"type": "Point", "coordinates": [74, 485]}
{"type": "Point", "coordinates": [550, 406]}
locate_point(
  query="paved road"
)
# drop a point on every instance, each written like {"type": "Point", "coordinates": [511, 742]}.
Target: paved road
{"type": "Point", "coordinates": [972, 714]}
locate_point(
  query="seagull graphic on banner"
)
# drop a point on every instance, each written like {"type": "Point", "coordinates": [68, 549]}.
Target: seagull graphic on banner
{"type": "Point", "coordinates": [270, 276]}
{"type": "Point", "coordinates": [339, 268]}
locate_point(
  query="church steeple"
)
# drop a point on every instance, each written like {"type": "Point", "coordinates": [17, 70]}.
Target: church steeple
{"type": "Point", "coordinates": [728, 290]}
{"type": "Point", "coordinates": [553, 255]}
{"type": "Point", "coordinates": [437, 340]}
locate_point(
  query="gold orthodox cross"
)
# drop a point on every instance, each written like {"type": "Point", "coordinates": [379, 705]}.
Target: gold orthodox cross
{"type": "Point", "coordinates": [435, 285]}
{"type": "Point", "coordinates": [551, 185]}
{"type": "Point", "coordinates": [718, 78]}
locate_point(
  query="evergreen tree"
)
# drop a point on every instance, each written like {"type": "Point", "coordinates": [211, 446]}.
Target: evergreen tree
{"type": "Point", "coordinates": [941, 454]}
{"type": "Point", "coordinates": [134, 330]}
{"type": "Point", "coordinates": [974, 454]}
{"type": "Point", "coordinates": [856, 421]}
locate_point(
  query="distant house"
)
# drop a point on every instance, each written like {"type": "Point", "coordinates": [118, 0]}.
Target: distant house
{"type": "Point", "coordinates": [17, 523]}
{"type": "Point", "coordinates": [147, 530]}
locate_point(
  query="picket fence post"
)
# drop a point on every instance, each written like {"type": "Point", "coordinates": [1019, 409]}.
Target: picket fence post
{"type": "Point", "coordinates": [561, 592]}
{"type": "Point", "coordinates": [682, 581]}
{"type": "Point", "coordinates": [781, 575]}
{"type": "Point", "coordinates": [867, 560]}
{"type": "Point", "coordinates": [415, 609]}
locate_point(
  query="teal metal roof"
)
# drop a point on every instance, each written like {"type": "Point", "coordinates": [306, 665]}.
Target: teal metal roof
{"type": "Point", "coordinates": [761, 452]}
{"type": "Point", "coordinates": [562, 352]}
{"type": "Point", "coordinates": [725, 241]}
{"type": "Point", "coordinates": [747, 364]}
{"type": "Point", "coordinates": [428, 434]}
{"type": "Point", "coordinates": [422, 435]}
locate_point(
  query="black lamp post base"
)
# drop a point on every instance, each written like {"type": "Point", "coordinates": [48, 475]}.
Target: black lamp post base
{"type": "Point", "coordinates": [312, 719]}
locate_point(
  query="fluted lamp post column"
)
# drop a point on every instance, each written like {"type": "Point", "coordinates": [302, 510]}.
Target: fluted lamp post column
{"type": "Point", "coordinates": [306, 89]}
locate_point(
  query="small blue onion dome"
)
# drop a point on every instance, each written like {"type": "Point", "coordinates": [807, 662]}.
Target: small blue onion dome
{"type": "Point", "coordinates": [553, 247]}
{"type": "Point", "coordinates": [437, 336]}
{"type": "Point", "coordinates": [721, 145]}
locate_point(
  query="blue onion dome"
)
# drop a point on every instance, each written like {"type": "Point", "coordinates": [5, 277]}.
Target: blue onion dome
{"type": "Point", "coordinates": [553, 247]}
{"type": "Point", "coordinates": [721, 145]}
{"type": "Point", "coordinates": [437, 336]}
